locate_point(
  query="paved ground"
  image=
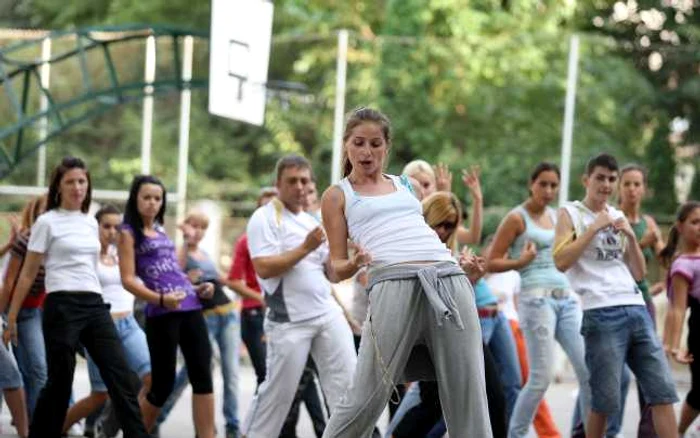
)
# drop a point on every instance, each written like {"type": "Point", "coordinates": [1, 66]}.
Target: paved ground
{"type": "Point", "coordinates": [560, 397]}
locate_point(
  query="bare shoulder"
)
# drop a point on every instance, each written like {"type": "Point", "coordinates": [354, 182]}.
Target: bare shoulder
{"type": "Point", "coordinates": [651, 222]}
{"type": "Point", "coordinates": [564, 220]}
{"type": "Point", "coordinates": [126, 237]}
{"type": "Point", "coordinates": [514, 221]}
{"type": "Point", "coordinates": [333, 197]}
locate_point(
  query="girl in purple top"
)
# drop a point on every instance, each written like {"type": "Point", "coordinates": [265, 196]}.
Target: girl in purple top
{"type": "Point", "coordinates": [683, 285]}
{"type": "Point", "coordinates": [173, 312]}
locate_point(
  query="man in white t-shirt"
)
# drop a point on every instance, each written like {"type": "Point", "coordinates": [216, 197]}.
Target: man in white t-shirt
{"type": "Point", "coordinates": [289, 253]}
{"type": "Point", "coordinates": [596, 247]}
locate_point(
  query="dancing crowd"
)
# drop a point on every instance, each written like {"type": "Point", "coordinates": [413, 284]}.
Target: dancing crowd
{"type": "Point", "coordinates": [455, 331]}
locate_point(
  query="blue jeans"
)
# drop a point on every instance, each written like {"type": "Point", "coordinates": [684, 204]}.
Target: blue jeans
{"type": "Point", "coordinates": [31, 355]}
{"type": "Point", "coordinates": [544, 321]}
{"type": "Point", "coordinates": [10, 378]}
{"type": "Point", "coordinates": [614, 425]}
{"type": "Point", "coordinates": [646, 423]}
{"type": "Point", "coordinates": [624, 334]}
{"type": "Point", "coordinates": [615, 420]}
{"type": "Point", "coordinates": [410, 400]}
{"type": "Point", "coordinates": [498, 336]}
{"type": "Point", "coordinates": [135, 352]}
{"type": "Point", "coordinates": [224, 331]}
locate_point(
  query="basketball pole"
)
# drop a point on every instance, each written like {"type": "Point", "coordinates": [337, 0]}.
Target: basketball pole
{"type": "Point", "coordinates": [147, 118]}
{"type": "Point", "coordinates": [568, 126]}
{"type": "Point", "coordinates": [340, 77]}
{"type": "Point", "coordinates": [44, 75]}
{"type": "Point", "coordinates": [184, 136]}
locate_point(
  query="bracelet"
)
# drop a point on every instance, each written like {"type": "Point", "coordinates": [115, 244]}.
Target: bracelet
{"type": "Point", "coordinates": [161, 299]}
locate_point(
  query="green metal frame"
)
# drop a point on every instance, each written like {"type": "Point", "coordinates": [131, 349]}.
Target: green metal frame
{"type": "Point", "coordinates": [60, 116]}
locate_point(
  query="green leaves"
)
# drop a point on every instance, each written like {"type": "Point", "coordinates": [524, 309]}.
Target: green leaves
{"type": "Point", "coordinates": [465, 83]}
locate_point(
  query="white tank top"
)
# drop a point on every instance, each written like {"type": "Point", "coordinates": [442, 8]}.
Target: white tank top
{"type": "Point", "coordinates": [113, 293]}
{"type": "Point", "coordinates": [600, 275]}
{"type": "Point", "coordinates": [391, 227]}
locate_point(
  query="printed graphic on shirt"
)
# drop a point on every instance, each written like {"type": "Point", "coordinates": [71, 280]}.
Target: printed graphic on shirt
{"type": "Point", "coordinates": [610, 245]}
{"type": "Point", "coordinates": [162, 272]}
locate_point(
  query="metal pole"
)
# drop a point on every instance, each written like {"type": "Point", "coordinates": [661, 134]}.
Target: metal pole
{"type": "Point", "coordinates": [45, 75]}
{"type": "Point", "coordinates": [184, 138]}
{"type": "Point", "coordinates": [341, 73]}
{"type": "Point", "coordinates": [147, 119]}
{"type": "Point", "coordinates": [568, 127]}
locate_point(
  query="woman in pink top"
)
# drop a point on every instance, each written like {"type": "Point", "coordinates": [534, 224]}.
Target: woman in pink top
{"type": "Point", "coordinates": [683, 286]}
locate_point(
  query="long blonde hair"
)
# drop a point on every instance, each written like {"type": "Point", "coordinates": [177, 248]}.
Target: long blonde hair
{"type": "Point", "coordinates": [440, 207]}
{"type": "Point", "coordinates": [32, 210]}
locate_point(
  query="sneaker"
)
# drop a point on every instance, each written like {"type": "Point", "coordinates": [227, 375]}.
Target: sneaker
{"type": "Point", "coordinates": [76, 429]}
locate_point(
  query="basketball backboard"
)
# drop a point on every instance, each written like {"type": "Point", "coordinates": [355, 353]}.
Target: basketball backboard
{"type": "Point", "coordinates": [239, 55]}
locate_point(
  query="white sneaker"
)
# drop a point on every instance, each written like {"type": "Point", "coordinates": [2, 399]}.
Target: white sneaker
{"type": "Point", "coordinates": [77, 429]}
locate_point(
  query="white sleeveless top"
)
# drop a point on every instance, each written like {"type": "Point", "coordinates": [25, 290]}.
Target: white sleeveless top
{"type": "Point", "coordinates": [113, 293]}
{"type": "Point", "coordinates": [391, 227]}
{"type": "Point", "coordinates": [600, 275]}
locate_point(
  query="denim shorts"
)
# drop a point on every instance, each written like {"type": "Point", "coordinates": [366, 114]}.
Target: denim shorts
{"type": "Point", "coordinates": [135, 348]}
{"type": "Point", "coordinates": [10, 378]}
{"type": "Point", "coordinates": [618, 334]}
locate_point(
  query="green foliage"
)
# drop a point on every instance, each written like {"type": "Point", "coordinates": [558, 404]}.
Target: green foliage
{"type": "Point", "coordinates": [695, 187]}
{"type": "Point", "coordinates": [661, 40]}
{"type": "Point", "coordinates": [661, 165]}
{"type": "Point", "coordinates": [464, 83]}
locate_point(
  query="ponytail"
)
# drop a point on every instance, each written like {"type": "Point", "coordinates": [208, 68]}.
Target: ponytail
{"type": "Point", "coordinates": [674, 235]}
{"type": "Point", "coordinates": [666, 254]}
{"type": "Point", "coordinates": [347, 165]}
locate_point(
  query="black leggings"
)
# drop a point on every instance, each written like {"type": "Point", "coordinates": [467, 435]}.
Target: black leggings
{"type": "Point", "coordinates": [164, 334]}
{"type": "Point", "coordinates": [69, 319]}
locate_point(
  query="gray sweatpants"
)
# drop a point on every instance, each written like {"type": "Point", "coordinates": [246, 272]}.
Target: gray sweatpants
{"type": "Point", "coordinates": [421, 325]}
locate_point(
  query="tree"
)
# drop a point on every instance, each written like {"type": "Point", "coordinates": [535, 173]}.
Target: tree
{"type": "Point", "coordinates": [482, 83]}
{"type": "Point", "coordinates": [660, 39]}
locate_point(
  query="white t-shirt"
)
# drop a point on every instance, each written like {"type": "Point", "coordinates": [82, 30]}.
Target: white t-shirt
{"type": "Point", "coordinates": [303, 292]}
{"type": "Point", "coordinates": [601, 276]}
{"type": "Point", "coordinates": [505, 285]}
{"type": "Point", "coordinates": [70, 243]}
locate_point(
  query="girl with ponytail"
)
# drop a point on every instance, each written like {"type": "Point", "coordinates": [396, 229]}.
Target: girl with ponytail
{"type": "Point", "coordinates": [683, 283]}
{"type": "Point", "coordinates": [411, 332]}
{"type": "Point", "coordinates": [632, 191]}
{"type": "Point", "coordinates": [668, 253]}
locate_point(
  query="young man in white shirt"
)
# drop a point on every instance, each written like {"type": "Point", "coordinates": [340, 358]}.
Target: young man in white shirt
{"type": "Point", "coordinates": [596, 247]}
{"type": "Point", "coordinates": [289, 253]}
